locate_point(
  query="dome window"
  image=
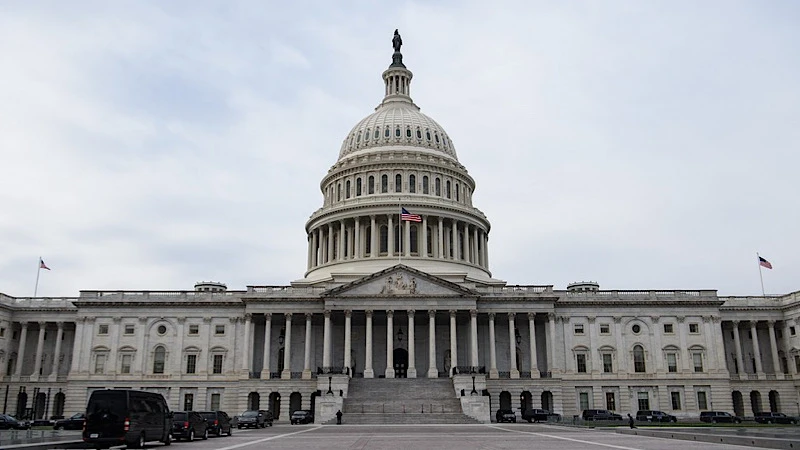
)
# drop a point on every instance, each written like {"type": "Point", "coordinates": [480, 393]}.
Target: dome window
{"type": "Point", "coordinates": [397, 132]}
{"type": "Point", "coordinates": [358, 185]}
{"type": "Point", "coordinates": [419, 134]}
{"type": "Point", "coordinates": [438, 187]}
{"type": "Point", "coordinates": [398, 183]}
{"type": "Point", "coordinates": [425, 184]}
{"type": "Point", "coordinates": [377, 132]}
{"type": "Point", "coordinates": [386, 132]}
{"type": "Point", "coordinates": [366, 135]}
{"type": "Point", "coordinates": [339, 192]}
{"type": "Point", "coordinates": [358, 138]}
{"type": "Point", "coordinates": [408, 132]}
{"type": "Point", "coordinates": [371, 185]}
{"type": "Point", "coordinates": [347, 189]}
{"type": "Point", "coordinates": [456, 191]}
{"type": "Point", "coordinates": [447, 189]}
{"type": "Point", "coordinates": [436, 135]}
{"type": "Point", "coordinates": [428, 134]}
{"type": "Point", "coordinates": [412, 184]}
{"type": "Point", "coordinates": [384, 184]}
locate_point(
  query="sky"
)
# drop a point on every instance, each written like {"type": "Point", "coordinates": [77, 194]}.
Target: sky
{"type": "Point", "coordinates": [641, 145]}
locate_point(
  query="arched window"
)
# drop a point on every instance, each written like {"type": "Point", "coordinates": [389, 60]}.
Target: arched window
{"type": "Point", "coordinates": [335, 246]}
{"type": "Point", "coordinates": [371, 185]}
{"type": "Point", "coordinates": [384, 184]}
{"type": "Point", "coordinates": [436, 135]}
{"type": "Point", "coordinates": [413, 242]}
{"type": "Point", "coordinates": [457, 196]}
{"type": "Point", "coordinates": [408, 132]}
{"type": "Point", "coordinates": [638, 359]}
{"type": "Point", "coordinates": [366, 136]}
{"type": "Point", "coordinates": [339, 192]}
{"type": "Point", "coordinates": [159, 359]}
{"type": "Point", "coordinates": [377, 132]}
{"type": "Point", "coordinates": [428, 134]}
{"type": "Point", "coordinates": [419, 134]}
{"type": "Point", "coordinates": [398, 183]}
{"type": "Point", "coordinates": [397, 132]}
{"type": "Point", "coordinates": [358, 187]}
{"type": "Point", "coordinates": [358, 138]}
{"type": "Point", "coordinates": [438, 187]}
{"type": "Point", "coordinates": [412, 184]}
{"type": "Point", "coordinates": [384, 239]}
{"type": "Point", "coordinates": [347, 189]}
{"type": "Point", "coordinates": [425, 184]}
{"type": "Point", "coordinates": [447, 188]}
{"type": "Point", "coordinates": [368, 239]}
{"type": "Point", "coordinates": [386, 132]}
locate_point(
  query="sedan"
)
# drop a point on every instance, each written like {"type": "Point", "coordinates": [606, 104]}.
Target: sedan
{"type": "Point", "coordinates": [72, 423]}
{"type": "Point", "coordinates": [8, 422]}
{"type": "Point", "coordinates": [301, 416]}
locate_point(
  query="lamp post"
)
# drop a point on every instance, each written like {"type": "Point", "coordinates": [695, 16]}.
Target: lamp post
{"type": "Point", "coordinates": [474, 391]}
{"type": "Point", "coordinates": [330, 380]}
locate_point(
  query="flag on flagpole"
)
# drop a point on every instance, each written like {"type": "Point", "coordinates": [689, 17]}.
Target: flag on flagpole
{"type": "Point", "coordinates": [764, 263]}
{"type": "Point", "coordinates": [42, 265]}
{"type": "Point", "coordinates": [405, 215]}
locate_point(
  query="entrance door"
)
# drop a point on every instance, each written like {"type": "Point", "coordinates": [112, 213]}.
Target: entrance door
{"type": "Point", "coordinates": [400, 363]}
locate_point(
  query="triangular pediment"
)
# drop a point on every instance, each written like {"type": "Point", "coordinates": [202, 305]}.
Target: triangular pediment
{"type": "Point", "coordinates": [400, 281]}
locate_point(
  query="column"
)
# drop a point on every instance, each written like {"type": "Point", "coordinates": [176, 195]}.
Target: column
{"type": "Point", "coordinates": [486, 250]}
{"type": "Point", "coordinates": [551, 341]}
{"type": "Point", "coordinates": [454, 239]}
{"type": "Point", "coordinates": [315, 248]}
{"type": "Point", "coordinates": [342, 248]}
{"type": "Point", "coordinates": [433, 371]}
{"type": "Point", "coordinates": [326, 341]}
{"type": "Point", "coordinates": [389, 373]}
{"type": "Point", "coordinates": [307, 350]}
{"type": "Point", "coordinates": [621, 363]}
{"type": "Point", "coordinates": [23, 336]}
{"type": "Point", "coordinates": [287, 350]}
{"type": "Point", "coordinates": [265, 366]}
{"type": "Point", "coordinates": [310, 249]}
{"type": "Point", "coordinates": [756, 348]}
{"type": "Point", "coordinates": [440, 239]}
{"type": "Point", "coordinates": [570, 364]}
{"type": "Point", "coordinates": [329, 256]}
{"type": "Point", "coordinates": [142, 353]}
{"type": "Point", "coordinates": [373, 238]}
{"type": "Point", "coordinates": [37, 357]}
{"type": "Point", "coordinates": [348, 314]}
{"type": "Point", "coordinates": [512, 345]}
{"type": "Point", "coordinates": [176, 361]}
{"type": "Point", "coordinates": [465, 243]}
{"type": "Point", "coordinates": [57, 353]}
{"type": "Point", "coordinates": [248, 321]}
{"type": "Point", "coordinates": [492, 349]}
{"type": "Point", "coordinates": [368, 372]}
{"type": "Point", "coordinates": [453, 342]}
{"type": "Point", "coordinates": [712, 351]}
{"type": "Point", "coordinates": [357, 252]}
{"type": "Point", "coordinates": [473, 337]}
{"type": "Point", "coordinates": [77, 347]}
{"type": "Point", "coordinates": [773, 345]}
{"type": "Point", "coordinates": [405, 246]}
{"type": "Point", "coordinates": [424, 247]}
{"type": "Point", "coordinates": [658, 353]}
{"type": "Point", "coordinates": [532, 343]}
{"type": "Point", "coordinates": [390, 235]}
{"type": "Point", "coordinates": [475, 258]}
{"type": "Point", "coordinates": [687, 365]}
{"type": "Point", "coordinates": [594, 357]}
{"type": "Point", "coordinates": [722, 359]}
{"type": "Point", "coordinates": [738, 343]}
{"type": "Point", "coordinates": [412, 366]}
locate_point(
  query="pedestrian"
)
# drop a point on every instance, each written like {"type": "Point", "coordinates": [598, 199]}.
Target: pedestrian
{"type": "Point", "coordinates": [339, 417]}
{"type": "Point", "coordinates": [630, 421]}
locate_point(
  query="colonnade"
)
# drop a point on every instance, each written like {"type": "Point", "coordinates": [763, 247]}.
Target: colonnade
{"type": "Point", "coordinates": [39, 352]}
{"type": "Point", "coordinates": [752, 326]}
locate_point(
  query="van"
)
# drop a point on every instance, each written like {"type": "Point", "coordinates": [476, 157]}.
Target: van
{"type": "Point", "coordinates": [117, 416]}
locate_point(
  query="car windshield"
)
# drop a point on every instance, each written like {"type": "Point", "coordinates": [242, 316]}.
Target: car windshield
{"type": "Point", "coordinates": [77, 416]}
{"type": "Point", "coordinates": [108, 403]}
{"type": "Point", "coordinates": [209, 415]}
{"type": "Point", "coordinates": [299, 413]}
{"type": "Point", "coordinates": [249, 413]}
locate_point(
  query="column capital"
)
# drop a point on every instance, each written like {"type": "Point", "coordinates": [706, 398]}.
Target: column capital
{"type": "Point", "coordinates": [411, 313]}
{"type": "Point", "coordinates": [348, 313]}
{"type": "Point", "coordinates": [473, 313]}
{"type": "Point", "coordinates": [60, 325]}
{"type": "Point", "coordinates": [453, 312]}
{"type": "Point", "coordinates": [655, 319]}
{"type": "Point", "coordinates": [716, 319]}
{"type": "Point", "coordinates": [707, 319]}
{"type": "Point", "coordinates": [551, 316]}
{"type": "Point", "coordinates": [117, 319]}
{"type": "Point", "coordinates": [617, 320]}
{"type": "Point", "coordinates": [389, 313]}
{"type": "Point", "coordinates": [288, 315]}
{"type": "Point", "coordinates": [491, 316]}
{"type": "Point", "coordinates": [753, 323]}
{"type": "Point", "coordinates": [268, 316]}
{"type": "Point", "coordinates": [234, 319]}
{"type": "Point", "coordinates": [511, 316]}
{"type": "Point", "coordinates": [431, 313]}
{"type": "Point", "coordinates": [735, 323]}
{"type": "Point", "coordinates": [42, 324]}
{"type": "Point", "coordinates": [564, 319]}
{"type": "Point", "coordinates": [531, 315]}
{"type": "Point", "coordinates": [309, 316]}
{"type": "Point", "coordinates": [327, 313]}
{"type": "Point", "coordinates": [91, 319]}
{"type": "Point", "coordinates": [181, 320]}
{"type": "Point", "coordinates": [772, 323]}
{"type": "Point", "coordinates": [368, 312]}
{"type": "Point", "coordinates": [205, 319]}
{"type": "Point", "coordinates": [248, 317]}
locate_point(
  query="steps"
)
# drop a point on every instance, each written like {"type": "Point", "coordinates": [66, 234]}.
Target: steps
{"type": "Point", "coordinates": [402, 401]}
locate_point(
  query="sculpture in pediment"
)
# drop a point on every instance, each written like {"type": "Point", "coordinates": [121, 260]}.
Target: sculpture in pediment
{"type": "Point", "coordinates": [399, 285]}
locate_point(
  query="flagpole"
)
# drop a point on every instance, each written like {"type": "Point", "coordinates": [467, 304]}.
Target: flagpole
{"type": "Point", "coordinates": [38, 269]}
{"type": "Point", "coordinates": [758, 260]}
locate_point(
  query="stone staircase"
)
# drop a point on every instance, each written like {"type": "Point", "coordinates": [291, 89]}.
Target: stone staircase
{"type": "Point", "coordinates": [402, 401]}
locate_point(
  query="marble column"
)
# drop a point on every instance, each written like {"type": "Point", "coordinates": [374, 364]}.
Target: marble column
{"type": "Point", "coordinates": [342, 247]}
{"type": "Point", "coordinates": [348, 314]}
{"type": "Point", "coordinates": [423, 249]}
{"type": "Point", "coordinates": [512, 345]}
{"type": "Point", "coordinates": [373, 238]}
{"type": "Point", "coordinates": [658, 354]}
{"type": "Point", "coordinates": [287, 349]}
{"type": "Point", "coordinates": [454, 238]}
{"type": "Point", "coordinates": [492, 349]}
{"type": "Point", "coordinates": [23, 336]}
{"type": "Point", "coordinates": [465, 243]}
{"type": "Point", "coordinates": [688, 364]}
{"type": "Point", "coordinates": [773, 346]}
{"type": "Point", "coordinates": [412, 356]}
{"type": "Point", "coordinates": [756, 347]}
{"type": "Point", "coordinates": [787, 344]}
{"type": "Point", "coordinates": [307, 349]}
{"type": "Point", "coordinates": [621, 361]}
{"type": "Point", "coordinates": [368, 372]}
{"type": "Point", "coordinates": [265, 366]}
{"type": "Point", "coordinates": [532, 343]}
{"type": "Point", "coordinates": [248, 321]}
{"type": "Point", "coordinates": [37, 357]}
{"type": "Point", "coordinates": [440, 239]}
{"type": "Point", "coordinates": [357, 252]}
{"type": "Point", "coordinates": [433, 371]}
{"type": "Point", "coordinates": [738, 343]}
{"type": "Point", "coordinates": [329, 257]}
{"type": "Point", "coordinates": [389, 373]}
{"type": "Point", "coordinates": [390, 235]}
{"type": "Point", "coordinates": [57, 353]}
{"type": "Point", "coordinates": [76, 345]}
{"type": "Point", "coordinates": [551, 343]}
{"type": "Point", "coordinates": [315, 248]}
{"type": "Point", "coordinates": [326, 340]}
{"type": "Point", "coordinates": [310, 239]}
{"type": "Point", "coordinates": [718, 334]}
{"type": "Point", "coordinates": [475, 258]}
{"type": "Point", "coordinates": [405, 246]}
{"type": "Point", "coordinates": [473, 337]}
{"type": "Point", "coordinates": [453, 342]}
{"type": "Point", "coordinates": [594, 353]}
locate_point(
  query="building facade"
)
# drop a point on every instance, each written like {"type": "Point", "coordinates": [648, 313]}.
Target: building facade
{"type": "Point", "coordinates": [398, 285]}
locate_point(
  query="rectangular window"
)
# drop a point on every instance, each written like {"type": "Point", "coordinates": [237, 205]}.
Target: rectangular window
{"type": "Point", "coordinates": [584, 399]}
{"type": "Point", "coordinates": [668, 328]}
{"type": "Point", "coordinates": [219, 329]}
{"type": "Point", "coordinates": [217, 364]}
{"type": "Point", "coordinates": [605, 328]}
{"type": "Point", "coordinates": [102, 329]}
{"type": "Point", "coordinates": [792, 331]}
{"type": "Point", "coordinates": [191, 363]}
{"type": "Point", "coordinates": [611, 401]}
{"type": "Point", "coordinates": [125, 366]}
{"type": "Point", "coordinates": [697, 359]}
{"type": "Point", "coordinates": [129, 328]}
{"type": "Point", "coordinates": [702, 403]}
{"type": "Point", "coordinates": [2, 332]}
{"type": "Point", "coordinates": [578, 328]}
{"type": "Point", "coordinates": [188, 402]}
{"type": "Point", "coordinates": [694, 328]}
{"type": "Point", "coordinates": [797, 363]}
{"type": "Point", "coordinates": [215, 401]}
{"type": "Point", "coordinates": [676, 400]}
{"type": "Point", "coordinates": [194, 329]}
{"type": "Point", "coordinates": [672, 362]}
{"type": "Point", "coordinates": [581, 363]}
{"type": "Point", "coordinates": [607, 365]}
{"type": "Point", "coordinates": [643, 400]}
{"type": "Point", "coordinates": [100, 363]}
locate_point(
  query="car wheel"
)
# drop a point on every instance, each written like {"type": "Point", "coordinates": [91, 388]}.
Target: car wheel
{"type": "Point", "coordinates": [239, 427]}
{"type": "Point", "coordinates": [205, 434]}
{"type": "Point", "coordinates": [191, 436]}
{"type": "Point", "coordinates": [168, 440]}
{"type": "Point", "coordinates": [230, 431]}
{"type": "Point", "coordinates": [139, 441]}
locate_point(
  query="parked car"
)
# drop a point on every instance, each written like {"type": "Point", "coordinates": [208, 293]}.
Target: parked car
{"type": "Point", "coordinates": [540, 415]}
{"type": "Point", "coordinates": [219, 422]}
{"type": "Point", "coordinates": [75, 422]}
{"type": "Point", "coordinates": [8, 422]}
{"type": "Point", "coordinates": [121, 416]}
{"type": "Point", "coordinates": [775, 417]}
{"type": "Point", "coordinates": [301, 416]}
{"type": "Point", "coordinates": [719, 417]}
{"type": "Point", "coordinates": [505, 415]}
{"type": "Point", "coordinates": [254, 419]}
{"type": "Point", "coordinates": [650, 415]}
{"type": "Point", "coordinates": [188, 424]}
{"type": "Point", "coordinates": [600, 414]}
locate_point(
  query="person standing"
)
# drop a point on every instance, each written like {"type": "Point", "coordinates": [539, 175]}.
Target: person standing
{"type": "Point", "coordinates": [630, 421]}
{"type": "Point", "coordinates": [339, 417]}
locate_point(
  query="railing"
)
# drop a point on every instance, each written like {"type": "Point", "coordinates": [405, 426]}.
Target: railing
{"type": "Point", "coordinates": [771, 376]}
{"type": "Point", "coordinates": [503, 374]}
{"type": "Point", "coordinates": [641, 294]}
{"type": "Point", "coordinates": [157, 295]}
{"type": "Point", "coordinates": [285, 290]}
{"type": "Point", "coordinates": [522, 290]}
{"type": "Point", "coordinates": [333, 370]}
{"type": "Point", "coordinates": [10, 437]}
{"type": "Point", "coordinates": [543, 374]}
{"type": "Point", "coordinates": [255, 375]}
{"type": "Point", "coordinates": [274, 375]}
{"type": "Point", "coordinates": [462, 370]}
{"type": "Point", "coordinates": [524, 374]}
{"type": "Point", "coordinates": [404, 408]}
{"type": "Point", "coordinates": [296, 375]}
{"type": "Point", "coordinates": [752, 376]}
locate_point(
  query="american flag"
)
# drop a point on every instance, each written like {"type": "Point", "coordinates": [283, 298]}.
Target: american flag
{"type": "Point", "coordinates": [405, 215]}
{"type": "Point", "coordinates": [42, 265]}
{"type": "Point", "coordinates": [764, 263]}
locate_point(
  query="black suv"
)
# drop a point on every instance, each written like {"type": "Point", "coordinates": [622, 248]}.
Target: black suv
{"type": "Point", "coordinates": [775, 417]}
{"type": "Point", "coordinates": [73, 423]}
{"type": "Point", "coordinates": [600, 414]}
{"type": "Point", "coordinates": [505, 415]}
{"type": "Point", "coordinates": [719, 417]}
{"type": "Point", "coordinates": [219, 422]}
{"type": "Point", "coordinates": [301, 416]}
{"type": "Point", "coordinates": [254, 419]}
{"type": "Point", "coordinates": [188, 424]}
{"type": "Point", "coordinates": [648, 415]}
{"type": "Point", "coordinates": [540, 415]}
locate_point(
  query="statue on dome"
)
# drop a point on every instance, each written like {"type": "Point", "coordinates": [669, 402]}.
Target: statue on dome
{"type": "Point", "coordinates": [397, 41]}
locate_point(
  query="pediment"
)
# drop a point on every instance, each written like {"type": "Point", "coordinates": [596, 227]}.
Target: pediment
{"type": "Point", "coordinates": [400, 281]}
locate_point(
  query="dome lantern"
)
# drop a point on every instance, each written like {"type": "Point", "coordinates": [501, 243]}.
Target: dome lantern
{"type": "Point", "coordinates": [397, 78]}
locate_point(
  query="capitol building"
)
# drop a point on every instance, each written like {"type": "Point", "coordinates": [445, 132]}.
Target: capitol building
{"type": "Point", "coordinates": [398, 317]}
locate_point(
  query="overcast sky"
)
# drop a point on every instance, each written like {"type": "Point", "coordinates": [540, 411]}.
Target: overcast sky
{"type": "Point", "coordinates": [642, 145]}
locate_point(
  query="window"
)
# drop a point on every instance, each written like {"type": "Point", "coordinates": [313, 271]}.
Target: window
{"type": "Point", "coordinates": [377, 132]}
{"type": "Point", "coordinates": [188, 402]}
{"type": "Point", "coordinates": [408, 132]}
{"type": "Point", "coordinates": [605, 328]}
{"type": "Point", "coordinates": [638, 361]}
{"type": "Point", "coordinates": [419, 134]}
{"type": "Point", "coordinates": [447, 189]}
{"type": "Point", "coordinates": [159, 359]}
{"type": "Point", "coordinates": [697, 359]}
{"type": "Point", "coordinates": [161, 330]}
{"type": "Point", "coordinates": [219, 329]}
{"type": "Point", "coordinates": [384, 184]}
{"type": "Point", "coordinates": [2, 332]}
{"type": "Point", "coordinates": [384, 238]}
{"type": "Point", "coordinates": [191, 363]}
{"type": "Point", "coordinates": [398, 183]}
{"type": "Point", "coordinates": [672, 362]}
{"type": "Point", "coordinates": [358, 187]}
{"type": "Point", "coordinates": [676, 400]}
{"type": "Point", "coordinates": [194, 329]}
{"type": "Point", "coordinates": [412, 184]}
{"type": "Point", "coordinates": [129, 328]}
{"type": "Point", "coordinates": [694, 328]}
{"type": "Point", "coordinates": [397, 132]}
{"type": "Point", "coordinates": [584, 400]}
{"type": "Point", "coordinates": [607, 363]}
{"type": "Point", "coordinates": [643, 400]}
{"type": "Point", "coordinates": [386, 132]}
{"type": "Point", "coordinates": [611, 401]}
{"type": "Point", "coordinates": [438, 187]}
{"type": "Point", "coordinates": [428, 134]}
{"type": "Point", "coordinates": [792, 331]}
{"type": "Point", "coordinates": [217, 368]}
{"type": "Point", "coordinates": [702, 403]}
{"type": "Point", "coordinates": [578, 328]}
{"type": "Point", "coordinates": [457, 188]}
{"type": "Point", "coordinates": [215, 398]}
{"type": "Point", "coordinates": [347, 189]}
{"type": "Point", "coordinates": [100, 363]}
{"type": "Point", "coordinates": [125, 365]}
{"type": "Point", "coordinates": [102, 329]}
{"type": "Point", "coordinates": [371, 185]}
{"type": "Point", "coordinates": [668, 328]}
{"type": "Point", "coordinates": [580, 361]}
{"type": "Point", "coordinates": [636, 329]}
{"type": "Point", "coordinates": [797, 362]}
{"type": "Point", "coordinates": [425, 185]}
